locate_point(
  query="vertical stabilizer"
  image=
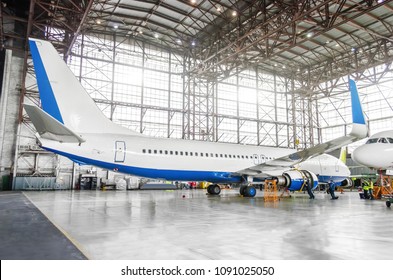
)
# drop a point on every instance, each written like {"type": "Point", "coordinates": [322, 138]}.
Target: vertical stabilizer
{"type": "Point", "coordinates": [63, 97]}
{"type": "Point", "coordinates": [343, 155]}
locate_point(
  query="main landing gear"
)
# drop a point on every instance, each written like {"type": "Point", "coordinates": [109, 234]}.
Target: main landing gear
{"type": "Point", "coordinates": [248, 191]}
{"type": "Point", "coordinates": [214, 189]}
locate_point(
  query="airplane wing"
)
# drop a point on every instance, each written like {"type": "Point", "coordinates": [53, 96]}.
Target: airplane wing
{"type": "Point", "coordinates": [359, 131]}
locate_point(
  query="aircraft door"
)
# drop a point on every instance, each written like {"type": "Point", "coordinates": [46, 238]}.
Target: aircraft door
{"type": "Point", "coordinates": [120, 151]}
{"type": "Point", "coordinates": [256, 159]}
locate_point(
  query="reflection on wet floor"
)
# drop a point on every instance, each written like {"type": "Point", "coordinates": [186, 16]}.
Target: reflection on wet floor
{"type": "Point", "coordinates": [188, 224]}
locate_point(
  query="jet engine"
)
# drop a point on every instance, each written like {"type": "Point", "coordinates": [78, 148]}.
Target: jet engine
{"type": "Point", "coordinates": [295, 180]}
{"type": "Point", "coordinates": [347, 183]}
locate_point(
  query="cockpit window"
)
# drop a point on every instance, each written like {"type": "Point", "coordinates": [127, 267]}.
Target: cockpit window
{"type": "Point", "coordinates": [382, 140]}
{"type": "Point", "coordinates": [390, 140]}
{"type": "Point", "coordinates": [372, 141]}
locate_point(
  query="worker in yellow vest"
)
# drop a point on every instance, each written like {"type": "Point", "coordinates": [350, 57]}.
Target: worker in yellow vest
{"type": "Point", "coordinates": [366, 187]}
{"type": "Point", "coordinates": [370, 189]}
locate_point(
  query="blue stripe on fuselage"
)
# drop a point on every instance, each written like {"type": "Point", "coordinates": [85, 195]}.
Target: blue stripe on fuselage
{"type": "Point", "coordinates": [170, 175]}
{"type": "Point", "coordinates": [47, 96]}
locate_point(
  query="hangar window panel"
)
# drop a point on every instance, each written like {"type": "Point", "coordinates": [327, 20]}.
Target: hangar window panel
{"type": "Point", "coordinates": [248, 110]}
{"type": "Point", "coordinates": [155, 79]}
{"type": "Point", "coordinates": [332, 132]}
{"type": "Point", "coordinates": [155, 129]}
{"type": "Point", "coordinates": [127, 93]}
{"type": "Point", "coordinates": [227, 131]}
{"type": "Point", "coordinates": [95, 69]}
{"type": "Point", "coordinates": [248, 95]}
{"type": "Point", "coordinates": [267, 134]}
{"type": "Point", "coordinates": [128, 75]}
{"type": "Point", "coordinates": [227, 107]}
{"type": "Point", "coordinates": [282, 136]}
{"type": "Point", "coordinates": [129, 52]}
{"type": "Point", "coordinates": [227, 92]}
{"type": "Point", "coordinates": [100, 49]}
{"type": "Point", "coordinates": [126, 113]}
{"type": "Point", "coordinates": [132, 125]}
{"type": "Point", "coordinates": [98, 89]}
{"type": "Point", "coordinates": [176, 100]}
{"type": "Point", "coordinates": [176, 83]}
{"type": "Point", "coordinates": [176, 64]}
{"type": "Point", "coordinates": [156, 116]}
{"type": "Point", "coordinates": [247, 78]}
{"type": "Point", "coordinates": [248, 133]}
{"type": "Point", "coordinates": [155, 97]}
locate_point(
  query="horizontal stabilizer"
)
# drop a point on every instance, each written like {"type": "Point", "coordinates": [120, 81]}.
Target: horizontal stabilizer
{"type": "Point", "coordinates": [50, 128]}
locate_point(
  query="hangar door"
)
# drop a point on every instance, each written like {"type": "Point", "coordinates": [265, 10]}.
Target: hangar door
{"type": "Point", "coordinates": [120, 151]}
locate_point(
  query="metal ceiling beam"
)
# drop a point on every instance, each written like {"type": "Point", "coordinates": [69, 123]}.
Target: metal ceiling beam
{"type": "Point", "coordinates": [78, 30]}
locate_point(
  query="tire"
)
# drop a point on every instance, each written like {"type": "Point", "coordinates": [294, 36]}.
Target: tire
{"type": "Point", "coordinates": [388, 203]}
{"type": "Point", "coordinates": [209, 189]}
{"type": "Point", "coordinates": [241, 190]}
{"type": "Point", "coordinates": [250, 191]}
{"type": "Point", "coordinates": [216, 189]}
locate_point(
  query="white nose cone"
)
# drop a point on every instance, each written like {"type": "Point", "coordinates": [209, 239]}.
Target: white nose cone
{"type": "Point", "coordinates": [373, 155]}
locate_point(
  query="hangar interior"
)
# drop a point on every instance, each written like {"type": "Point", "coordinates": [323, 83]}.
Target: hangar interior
{"type": "Point", "coordinates": [272, 73]}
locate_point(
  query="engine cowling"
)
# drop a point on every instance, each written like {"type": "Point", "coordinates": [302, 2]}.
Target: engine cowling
{"type": "Point", "coordinates": [347, 183]}
{"type": "Point", "coordinates": [295, 179]}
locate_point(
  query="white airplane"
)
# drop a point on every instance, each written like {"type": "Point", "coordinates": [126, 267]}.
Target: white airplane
{"type": "Point", "coordinates": [377, 152]}
{"type": "Point", "coordinates": [71, 125]}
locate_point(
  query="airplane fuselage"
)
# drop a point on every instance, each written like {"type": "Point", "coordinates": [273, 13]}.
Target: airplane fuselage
{"type": "Point", "coordinates": [183, 160]}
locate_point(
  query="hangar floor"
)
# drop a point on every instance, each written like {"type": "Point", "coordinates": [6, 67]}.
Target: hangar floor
{"type": "Point", "coordinates": [166, 225]}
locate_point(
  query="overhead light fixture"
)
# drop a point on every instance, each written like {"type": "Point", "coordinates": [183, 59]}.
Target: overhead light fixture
{"type": "Point", "coordinates": [218, 8]}
{"type": "Point", "coordinates": [140, 32]}
{"type": "Point", "coordinates": [309, 34]}
{"type": "Point", "coordinates": [193, 43]}
{"type": "Point", "coordinates": [380, 1]}
{"type": "Point", "coordinates": [98, 21]}
{"type": "Point", "coordinates": [327, 41]}
{"type": "Point", "coordinates": [298, 69]}
{"type": "Point", "coordinates": [234, 13]}
{"type": "Point", "coordinates": [156, 35]}
{"type": "Point", "coordinates": [275, 64]}
{"type": "Point", "coordinates": [337, 45]}
{"type": "Point", "coordinates": [284, 67]}
{"type": "Point", "coordinates": [115, 26]}
{"type": "Point", "coordinates": [193, 1]}
{"type": "Point", "coordinates": [353, 49]}
{"type": "Point", "coordinates": [178, 41]}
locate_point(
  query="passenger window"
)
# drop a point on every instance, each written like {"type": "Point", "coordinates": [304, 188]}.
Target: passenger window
{"type": "Point", "coordinates": [246, 157]}
{"type": "Point", "coordinates": [160, 151]}
{"type": "Point", "coordinates": [155, 151]}
{"type": "Point", "coordinates": [176, 152]}
{"type": "Point", "coordinates": [171, 152]}
{"type": "Point", "coordinates": [216, 155]}
{"type": "Point", "coordinates": [220, 155]}
{"type": "Point", "coordinates": [211, 154]}
{"type": "Point", "coordinates": [230, 156]}
{"type": "Point", "coordinates": [149, 151]}
{"type": "Point", "coordinates": [196, 154]}
{"type": "Point", "coordinates": [186, 153]}
{"type": "Point", "coordinates": [144, 151]}
{"type": "Point", "coordinates": [181, 153]}
{"type": "Point", "coordinates": [238, 156]}
{"type": "Point", "coordinates": [201, 154]}
{"type": "Point", "coordinates": [190, 153]}
{"type": "Point", "coordinates": [207, 155]}
{"type": "Point", "coordinates": [390, 140]}
{"type": "Point", "coordinates": [242, 156]}
{"type": "Point", "coordinates": [226, 155]}
{"type": "Point", "coordinates": [166, 152]}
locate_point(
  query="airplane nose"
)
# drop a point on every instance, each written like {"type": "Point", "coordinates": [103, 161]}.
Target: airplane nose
{"type": "Point", "coordinates": [367, 156]}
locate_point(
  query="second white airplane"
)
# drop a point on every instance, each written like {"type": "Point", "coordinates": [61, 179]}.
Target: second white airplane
{"type": "Point", "coordinates": [71, 125]}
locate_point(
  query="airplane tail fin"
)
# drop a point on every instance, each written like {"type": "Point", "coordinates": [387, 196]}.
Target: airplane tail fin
{"type": "Point", "coordinates": [343, 155]}
{"type": "Point", "coordinates": [63, 97]}
{"type": "Point", "coordinates": [359, 124]}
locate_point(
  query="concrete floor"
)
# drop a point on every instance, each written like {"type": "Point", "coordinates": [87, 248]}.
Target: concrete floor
{"type": "Point", "coordinates": [165, 225]}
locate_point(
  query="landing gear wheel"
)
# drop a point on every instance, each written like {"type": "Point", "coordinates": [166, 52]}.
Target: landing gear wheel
{"type": "Point", "coordinates": [214, 189]}
{"type": "Point", "coordinates": [388, 203]}
{"type": "Point", "coordinates": [241, 190]}
{"type": "Point", "coordinates": [250, 191]}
